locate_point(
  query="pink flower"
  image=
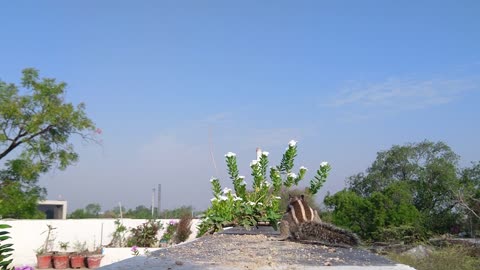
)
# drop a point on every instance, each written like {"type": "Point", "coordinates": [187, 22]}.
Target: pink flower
{"type": "Point", "coordinates": [98, 131]}
{"type": "Point", "coordinates": [135, 251]}
{"type": "Point", "coordinates": [25, 267]}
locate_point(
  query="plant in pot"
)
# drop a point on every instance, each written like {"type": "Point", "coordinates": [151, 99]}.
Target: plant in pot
{"type": "Point", "coordinates": [77, 258]}
{"type": "Point", "coordinates": [94, 258]}
{"type": "Point", "coordinates": [61, 259]}
{"type": "Point", "coordinates": [44, 254]}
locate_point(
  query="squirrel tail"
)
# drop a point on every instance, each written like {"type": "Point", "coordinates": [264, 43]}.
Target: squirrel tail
{"type": "Point", "coordinates": [327, 233]}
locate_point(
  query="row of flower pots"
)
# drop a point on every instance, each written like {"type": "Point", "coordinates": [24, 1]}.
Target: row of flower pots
{"type": "Point", "coordinates": [65, 260]}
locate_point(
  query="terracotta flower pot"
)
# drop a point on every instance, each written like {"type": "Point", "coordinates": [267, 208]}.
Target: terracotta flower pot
{"type": "Point", "coordinates": [77, 261]}
{"type": "Point", "coordinates": [93, 261]}
{"type": "Point", "coordinates": [44, 261]}
{"type": "Point", "coordinates": [60, 261]}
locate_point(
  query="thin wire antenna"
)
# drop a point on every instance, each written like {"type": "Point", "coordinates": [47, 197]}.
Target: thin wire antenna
{"type": "Point", "coordinates": [210, 139]}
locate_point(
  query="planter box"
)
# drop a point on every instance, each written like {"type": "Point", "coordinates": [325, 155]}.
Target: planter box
{"type": "Point", "coordinates": [77, 261]}
{"type": "Point", "coordinates": [44, 261]}
{"type": "Point", "coordinates": [60, 261]}
{"type": "Point", "coordinates": [93, 261]}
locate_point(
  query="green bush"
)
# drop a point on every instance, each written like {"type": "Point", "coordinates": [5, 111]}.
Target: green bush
{"type": "Point", "coordinates": [169, 233]}
{"type": "Point", "coordinates": [387, 216]}
{"type": "Point", "coordinates": [118, 236]}
{"type": "Point", "coordinates": [5, 249]}
{"type": "Point", "coordinates": [407, 234]}
{"type": "Point", "coordinates": [145, 235]}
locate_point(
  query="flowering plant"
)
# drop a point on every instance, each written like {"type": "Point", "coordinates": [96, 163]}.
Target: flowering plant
{"type": "Point", "coordinates": [135, 251]}
{"type": "Point", "coordinates": [262, 203]}
{"type": "Point", "coordinates": [25, 267]}
{"type": "Point", "coordinates": [169, 232]}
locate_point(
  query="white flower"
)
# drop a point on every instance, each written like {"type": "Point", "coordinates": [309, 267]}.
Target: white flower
{"type": "Point", "coordinates": [212, 179]}
{"type": "Point", "coordinates": [213, 199]}
{"type": "Point", "coordinates": [323, 164]}
{"type": "Point", "coordinates": [253, 163]}
{"type": "Point", "coordinates": [266, 183]}
{"type": "Point", "coordinates": [223, 198]}
{"type": "Point", "coordinates": [230, 154]}
{"type": "Point", "coordinates": [292, 175]}
{"type": "Point", "coordinates": [237, 199]}
{"type": "Point", "coordinates": [251, 203]}
{"type": "Point", "coordinates": [259, 203]}
{"type": "Point", "coordinates": [303, 168]}
{"type": "Point", "coordinates": [265, 153]}
{"type": "Point", "coordinates": [226, 190]}
{"type": "Point", "coordinates": [292, 143]}
{"type": "Point", "coordinates": [243, 178]}
{"type": "Point", "coordinates": [278, 197]}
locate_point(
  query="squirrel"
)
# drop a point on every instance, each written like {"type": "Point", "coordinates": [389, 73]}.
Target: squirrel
{"type": "Point", "coordinates": [302, 223]}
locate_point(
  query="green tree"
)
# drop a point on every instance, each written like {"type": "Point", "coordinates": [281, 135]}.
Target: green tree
{"type": "Point", "coordinates": [377, 216]}
{"type": "Point", "coordinates": [468, 196]}
{"type": "Point", "coordinates": [410, 190]}
{"type": "Point", "coordinates": [352, 211]}
{"type": "Point", "coordinates": [35, 127]}
{"type": "Point", "coordinates": [428, 168]}
{"type": "Point", "coordinates": [177, 212]}
{"type": "Point", "coordinates": [92, 209]}
{"type": "Point", "coordinates": [78, 214]}
{"type": "Point", "coordinates": [140, 212]}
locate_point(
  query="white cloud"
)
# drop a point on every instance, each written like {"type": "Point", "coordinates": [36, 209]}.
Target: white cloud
{"type": "Point", "coordinates": [403, 94]}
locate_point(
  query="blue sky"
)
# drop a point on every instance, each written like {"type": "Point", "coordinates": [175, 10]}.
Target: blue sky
{"type": "Point", "coordinates": [345, 78]}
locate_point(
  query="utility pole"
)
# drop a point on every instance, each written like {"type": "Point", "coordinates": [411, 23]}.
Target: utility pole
{"type": "Point", "coordinates": [158, 198]}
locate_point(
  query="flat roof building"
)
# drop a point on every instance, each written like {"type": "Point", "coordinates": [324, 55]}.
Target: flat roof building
{"type": "Point", "coordinates": [53, 209]}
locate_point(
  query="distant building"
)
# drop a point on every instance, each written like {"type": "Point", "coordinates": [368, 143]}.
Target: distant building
{"type": "Point", "coordinates": [53, 209]}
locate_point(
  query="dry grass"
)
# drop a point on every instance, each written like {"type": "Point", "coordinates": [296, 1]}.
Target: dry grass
{"type": "Point", "coordinates": [453, 257]}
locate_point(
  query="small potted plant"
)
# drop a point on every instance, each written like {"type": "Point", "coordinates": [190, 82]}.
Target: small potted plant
{"type": "Point", "coordinates": [77, 258]}
{"type": "Point", "coordinates": [61, 259]}
{"type": "Point", "coordinates": [44, 255]}
{"type": "Point", "coordinates": [44, 258]}
{"type": "Point", "coordinates": [94, 258]}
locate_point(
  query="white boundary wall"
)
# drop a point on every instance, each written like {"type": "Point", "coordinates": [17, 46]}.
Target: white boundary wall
{"type": "Point", "coordinates": [29, 235]}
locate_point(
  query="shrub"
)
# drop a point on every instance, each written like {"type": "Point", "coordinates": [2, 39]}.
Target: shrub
{"type": "Point", "coordinates": [408, 234]}
{"type": "Point", "coordinates": [183, 229]}
{"type": "Point", "coordinates": [447, 258]}
{"type": "Point", "coordinates": [118, 236]}
{"type": "Point", "coordinates": [169, 232]}
{"type": "Point", "coordinates": [5, 249]}
{"type": "Point", "coordinates": [145, 235]}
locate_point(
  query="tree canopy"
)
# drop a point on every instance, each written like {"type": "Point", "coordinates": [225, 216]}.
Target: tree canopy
{"type": "Point", "coordinates": [418, 185]}
{"type": "Point", "coordinates": [36, 124]}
